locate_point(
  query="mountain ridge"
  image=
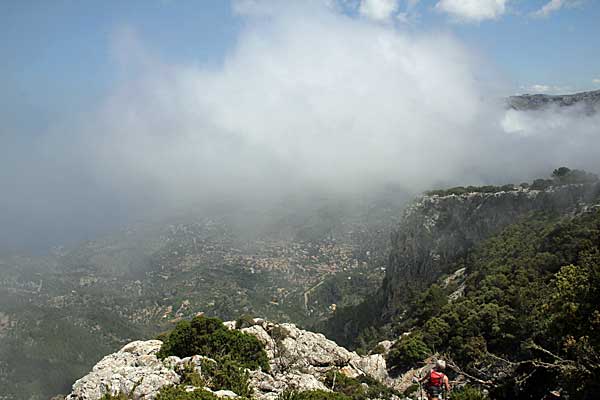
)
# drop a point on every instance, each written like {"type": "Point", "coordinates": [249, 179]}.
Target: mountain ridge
{"type": "Point", "coordinates": [590, 101]}
{"type": "Point", "coordinates": [299, 360]}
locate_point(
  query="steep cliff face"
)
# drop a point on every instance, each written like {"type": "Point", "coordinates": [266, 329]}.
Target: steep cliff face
{"type": "Point", "coordinates": [436, 230]}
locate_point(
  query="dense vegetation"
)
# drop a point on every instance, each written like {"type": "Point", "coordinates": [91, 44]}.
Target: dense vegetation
{"type": "Point", "coordinates": [312, 395]}
{"type": "Point", "coordinates": [179, 393]}
{"type": "Point", "coordinates": [459, 190]}
{"type": "Point", "coordinates": [225, 374]}
{"type": "Point", "coordinates": [344, 388]}
{"type": "Point", "coordinates": [360, 388]}
{"type": "Point", "coordinates": [210, 338]}
{"type": "Point", "coordinates": [560, 176]}
{"type": "Point", "coordinates": [530, 306]}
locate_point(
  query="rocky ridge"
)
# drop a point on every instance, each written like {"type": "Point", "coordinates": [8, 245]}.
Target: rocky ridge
{"type": "Point", "coordinates": [299, 360]}
{"type": "Point", "coordinates": [590, 101]}
{"type": "Point", "coordinates": [435, 230]}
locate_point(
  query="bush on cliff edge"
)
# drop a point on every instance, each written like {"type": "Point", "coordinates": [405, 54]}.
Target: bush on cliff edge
{"type": "Point", "coordinates": [210, 338]}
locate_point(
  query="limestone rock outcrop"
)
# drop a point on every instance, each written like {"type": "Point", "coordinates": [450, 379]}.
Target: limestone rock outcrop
{"type": "Point", "coordinates": [134, 370]}
{"type": "Point", "coordinates": [299, 360]}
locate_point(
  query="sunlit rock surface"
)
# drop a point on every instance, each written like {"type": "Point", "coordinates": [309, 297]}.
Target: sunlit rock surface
{"type": "Point", "coordinates": [299, 360]}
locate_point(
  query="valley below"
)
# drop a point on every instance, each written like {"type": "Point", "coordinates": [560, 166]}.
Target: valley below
{"type": "Point", "coordinates": [59, 314]}
{"type": "Point", "coordinates": [447, 274]}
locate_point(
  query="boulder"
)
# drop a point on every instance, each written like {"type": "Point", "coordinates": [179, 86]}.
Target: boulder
{"type": "Point", "coordinates": [134, 370]}
{"type": "Point", "coordinates": [373, 365]}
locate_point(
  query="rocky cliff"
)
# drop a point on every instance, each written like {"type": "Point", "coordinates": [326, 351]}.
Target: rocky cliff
{"type": "Point", "coordinates": [590, 101]}
{"type": "Point", "coordinates": [435, 230]}
{"type": "Point", "coordinates": [299, 360]}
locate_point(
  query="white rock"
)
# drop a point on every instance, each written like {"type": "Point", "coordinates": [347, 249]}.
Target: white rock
{"type": "Point", "coordinates": [373, 365]}
{"type": "Point", "coordinates": [386, 345]}
{"type": "Point", "coordinates": [141, 347]}
{"type": "Point", "coordinates": [229, 324]}
{"type": "Point", "coordinates": [225, 394]}
{"type": "Point", "coordinates": [299, 361]}
{"type": "Point", "coordinates": [133, 369]}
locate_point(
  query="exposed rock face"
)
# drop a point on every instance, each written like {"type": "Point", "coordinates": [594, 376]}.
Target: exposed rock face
{"type": "Point", "coordinates": [299, 360]}
{"type": "Point", "coordinates": [269, 387]}
{"type": "Point", "coordinates": [437, 229]}
{"type": "Point", "coordinates": [590, 101]}
{"type": "Point", "coordinates": [134, 369]}
{"type": "Point", "coordinates": [373, 365]}
{"type": "Point", "coordinates": [292, 348]}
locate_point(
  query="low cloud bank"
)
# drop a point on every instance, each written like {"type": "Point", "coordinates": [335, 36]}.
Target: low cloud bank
{"type": "Point", "coordinates": [308, 100]}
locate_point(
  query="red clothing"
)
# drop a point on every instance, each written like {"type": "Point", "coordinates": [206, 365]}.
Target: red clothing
{"type": "Point", "coordinates": [436, 378]}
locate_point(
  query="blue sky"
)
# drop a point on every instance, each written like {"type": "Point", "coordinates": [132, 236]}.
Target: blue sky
{"type": "Point", "coordinates": [112, 110]}
{"type": "Point", "coordinates": [56, 55]}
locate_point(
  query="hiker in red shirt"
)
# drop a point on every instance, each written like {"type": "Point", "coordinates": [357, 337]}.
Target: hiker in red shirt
{"type": "Point", "coordinates": [436, 381]}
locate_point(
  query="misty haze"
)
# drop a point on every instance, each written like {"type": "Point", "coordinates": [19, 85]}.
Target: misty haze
{"type": "Point", "coordinates": [414, 180]}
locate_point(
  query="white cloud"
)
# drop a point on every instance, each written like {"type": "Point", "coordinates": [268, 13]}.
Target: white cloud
{"type": "Point", "coordinates": [548, 126]}
{"type": "Point", "coordinates": [378, 10]}
{"type": "Point", "coordinates": [553, 6]}
{"type": "Point", "coordinates": [546, 89]}
{"type": "Point", "coordinates": [540, 88]}
{"type": "Point", "coordinates": [596, 81]}
{"type": "Point", "coordinates": [307, 99]}
{"type": "Point", "coordinates": [473, 10]}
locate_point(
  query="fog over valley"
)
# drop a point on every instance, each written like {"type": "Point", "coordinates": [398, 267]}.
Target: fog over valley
{"type": "Point", "coordinates": [299, 200]}
{"type": "Point", "coordinates": [307, 99]}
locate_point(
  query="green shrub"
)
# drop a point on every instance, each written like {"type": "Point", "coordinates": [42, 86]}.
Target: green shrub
{"type": "Point", "coordinates": [564, 175]}
{"type": "Point", "coordinates": [347, 386]}
{"type": "Point", "coordinates": [541, 184]}
{"type": "Point", "coordinates": [408, 350]}
{"type": "Point", "coordinates": [411, 389]}
{"type": "Point", "coordinates": [468, 393]}
{"type": "Point", "coordinates": [379, 349]}
{"type": "Point", "coordinates": [536, 282]}
{"type": "Point", "coordinates": [210, 338]}
{"type": "Point", "coordinates": [436, 331]}
{"type": "Point", "coordinates": [312, 395]}
{"type": "Point", "coordinates": [190, 376]}
{"type": "Point", "coordinates": [377, 390]}
{"type": "Point", "coordinates": [362, 388]}
{"type": "Point", "coordinates": [227, 374]}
